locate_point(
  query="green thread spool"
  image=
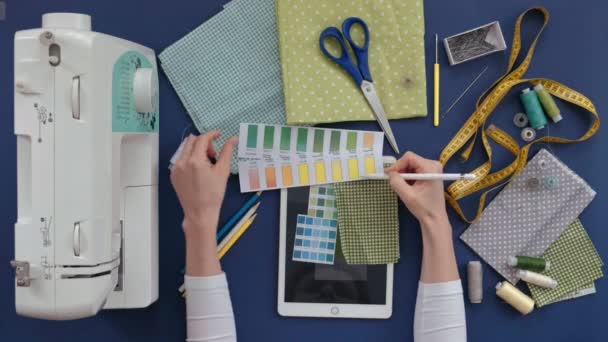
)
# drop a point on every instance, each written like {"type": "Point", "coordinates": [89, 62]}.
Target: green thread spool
{"type": "Point", "coordinates": [533, 109]}
{"type": "Point", "coordinates": [529, 263]}
{"type": "Point", "coordinates": [548, 103]}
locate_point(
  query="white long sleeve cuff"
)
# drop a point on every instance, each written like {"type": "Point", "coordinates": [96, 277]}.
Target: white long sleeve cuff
{"type": "Point", "coordinates": [209, 312]}
{"type": "Point", "coordinates": [440, 314]}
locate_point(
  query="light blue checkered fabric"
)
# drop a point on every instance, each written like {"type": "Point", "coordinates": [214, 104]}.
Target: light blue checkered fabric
{"type": "Point", "coordinates": [227, 70]}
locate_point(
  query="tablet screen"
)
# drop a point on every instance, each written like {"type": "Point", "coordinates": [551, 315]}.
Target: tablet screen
{"type": "Point", "coordinates": [319, 283]}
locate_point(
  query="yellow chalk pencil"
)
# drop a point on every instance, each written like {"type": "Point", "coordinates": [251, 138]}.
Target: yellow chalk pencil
{"type": "Point", "coordinates": [236, 236]}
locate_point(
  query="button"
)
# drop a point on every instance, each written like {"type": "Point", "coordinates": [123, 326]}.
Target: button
{"type": "Point", "coordinates": [335, 310]}
{"type": "Point", "coordinates": [408, 82]}
{"type": "Point", "coordinates": [533, 183]}
{"type": "Point", "coordinates": [520, 120]}
{"type": "Point", "coordinates": [528, 134]}
{"type": "Point", "coordinates": [551, 182]}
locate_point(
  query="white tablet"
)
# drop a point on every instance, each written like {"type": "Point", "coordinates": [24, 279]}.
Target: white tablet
{"type": "Point", "coordinates": [324, 290]}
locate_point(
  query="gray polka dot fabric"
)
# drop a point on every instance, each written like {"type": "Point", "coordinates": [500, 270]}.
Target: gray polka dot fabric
{"type": "Point", "coordinates": [529, 214]}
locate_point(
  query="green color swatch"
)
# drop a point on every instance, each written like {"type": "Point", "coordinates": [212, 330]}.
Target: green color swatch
{"type": "Point", "coordinates": [285, 138]}
{"type": "Point", "coordinates": [318, 141]}
{"type": "Point", "coordinates": [334, 141]}
{"type": "Point", "coordinates": [302, 139]}
{"type": "Point", "coordinates": [252, 136]}
{"type": "Point", "coordinates": [351, 141]}
{"type": "Point", "coordinates": [268, 137]}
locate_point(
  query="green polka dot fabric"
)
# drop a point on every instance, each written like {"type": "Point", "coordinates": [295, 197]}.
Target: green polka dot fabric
{"type": "Point", "coordinates": [227, 70]}
{"type": "Point", "coordinates": [368, 223]}
{"type": "Point", "coordinates": [318, 91]}
{"type": "Point", "coordinates": [575, 264]}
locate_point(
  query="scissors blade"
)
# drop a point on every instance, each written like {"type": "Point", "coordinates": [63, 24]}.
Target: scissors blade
{"type": "Point", "coordinates": [374, 102]}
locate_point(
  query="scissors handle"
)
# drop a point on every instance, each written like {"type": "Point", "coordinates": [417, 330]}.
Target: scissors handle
{"type": "Point", "coordinates": [361, 52]}
{"type": "Point", "coordinates": [343, 59]}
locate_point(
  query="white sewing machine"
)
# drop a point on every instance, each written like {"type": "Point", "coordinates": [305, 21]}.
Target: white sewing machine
{"type": "Point", "coordinates": [86, 120]}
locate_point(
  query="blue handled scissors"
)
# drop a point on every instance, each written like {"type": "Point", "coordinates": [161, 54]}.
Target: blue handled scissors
{"type": "Point", "coordinates": [360, 71]}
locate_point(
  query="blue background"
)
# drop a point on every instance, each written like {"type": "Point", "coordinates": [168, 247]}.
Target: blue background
{"type": "Point", "coordinates": [572, 50]}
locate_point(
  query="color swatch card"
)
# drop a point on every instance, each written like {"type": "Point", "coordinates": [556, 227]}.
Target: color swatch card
{"type": "Point", "coordinates": [273, 156]}
{"type": "Point", "coordinates": [322, 202]}
{"type": "Point", "coordinates": [315, 240]}
{"type": "Point", "coordinates": [259, 141]}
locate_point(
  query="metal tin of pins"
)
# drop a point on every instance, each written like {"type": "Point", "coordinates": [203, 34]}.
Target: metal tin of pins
{"type": "Point", "coordinates": [520, 120]}
{"type": "Point", "coordinates": [551, 182]}
{"type": "Point", "coordinates": [537, 279]}
{"type": "Point", "coordinates": [475, 281]}
{"type": "Point", "coordinates": [533, 109]}
{"type": "Point", "coordinates": [548, 103]}
{"type": "Point", "coordinates": [515, 297]}
{"type": "Point", "coordinates": [528, 134]}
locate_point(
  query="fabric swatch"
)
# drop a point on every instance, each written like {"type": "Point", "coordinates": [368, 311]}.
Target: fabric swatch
{"type": "Point", "coordinates": [575, 264]}
{"type": "Point", "coordinates": [368, 222]}
{"type": "Point", "coordinates": [315, 240]}
{"type": "Point", "coordinates": [322, 202]}
{"type": "Point", "coordinates": [227, 70]}
{"type": "Point", "coordinates": [529, 214]}
{"type": "Point", "coordinates": [317, 90]}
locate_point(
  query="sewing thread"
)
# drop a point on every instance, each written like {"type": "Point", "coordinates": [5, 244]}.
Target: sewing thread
{"type": "Point", "coordinates": [529, 263]}
{"type": "Point", "coordinates": [537, 279]}
{"type": "Point", "coordinates": [515, 297]}
{"type": "Point", "coordinates": [548, 103]}
{"type": "Point", "coordinates": [533, 109]}
{"type": "Point", "coordinates": [475, 281]}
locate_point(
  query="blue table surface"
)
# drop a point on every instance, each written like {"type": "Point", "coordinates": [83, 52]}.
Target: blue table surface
{"type": "Point", "coordinates": [572, 50]}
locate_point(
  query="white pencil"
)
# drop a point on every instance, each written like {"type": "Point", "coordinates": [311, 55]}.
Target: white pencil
{"type": "Point", "coordinates": [424, 176]}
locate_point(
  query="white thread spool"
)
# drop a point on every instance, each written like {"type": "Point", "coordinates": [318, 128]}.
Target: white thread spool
{"type": "Point", "coordinates": [475, 281]}
{"type": "Point", "coordinates": [514, 297]}
{"type": "Point", "coordinates": [537, 279]}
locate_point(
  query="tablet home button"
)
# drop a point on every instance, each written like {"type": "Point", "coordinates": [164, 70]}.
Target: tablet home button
{"type": "Point", "coordinates": [335, 310]}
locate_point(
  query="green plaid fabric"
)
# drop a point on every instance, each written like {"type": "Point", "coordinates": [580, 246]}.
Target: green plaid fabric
{"type": "Point", "coordinates": [227, 70]}
{"type": "Point", "coordinates": [575, 264]}
{"type": "Point", "coordinates": [368, 223]}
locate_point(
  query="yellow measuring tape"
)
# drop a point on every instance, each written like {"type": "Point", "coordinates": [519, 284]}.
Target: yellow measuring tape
{"type": "Point", "coordinates": [486, 104]}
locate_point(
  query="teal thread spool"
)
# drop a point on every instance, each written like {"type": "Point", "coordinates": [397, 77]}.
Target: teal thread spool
{"type": "Point", "coordinates": [529, 263]}
{"type": "Point", "coordinates": [548, 103]}
{"type": "Point", "coordinates": [533, 109]}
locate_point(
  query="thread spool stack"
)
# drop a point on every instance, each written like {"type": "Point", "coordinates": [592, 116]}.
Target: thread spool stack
{"type": "Point", "coordinates": [537, 279]}
{"type": "Point", "coordinates": [514, 297]}
{"type": "Point", "coordinates": [475, 282]}
{"type": "Point", "coordinates": [548, 103]}
{"type": "Point", "coordinates": [529, 263]}
{"type": "Point", "coordinates": [533, 109]}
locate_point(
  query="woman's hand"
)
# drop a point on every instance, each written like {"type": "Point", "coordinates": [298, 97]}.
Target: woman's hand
{"type": "Point", "coordinates": [200, 186]}
{"type": "Point", "coordinates": [424, 199]}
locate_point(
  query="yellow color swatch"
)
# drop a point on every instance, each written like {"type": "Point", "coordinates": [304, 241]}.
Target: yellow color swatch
{"type": "Point", "coordinates": [370, 165]}
{"type": "Point", "coordinates": [353, 169]}
{"type": "Point", "coordinates": [320, 171]}
{"type": "Point", "coordinates": [336, 170]}
{"type": "Point", "coordinates": [303, 170]}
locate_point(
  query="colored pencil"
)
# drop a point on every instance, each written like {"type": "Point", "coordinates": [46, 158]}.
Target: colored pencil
{"type": "Point", "coordinates": [237, 226]}
{"type": "Point", "coordinates": [424, 176]}
{"type": "Point", "coordinates": [230, 223]}
{"type": "Point", "coordinates": [236, 236]}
